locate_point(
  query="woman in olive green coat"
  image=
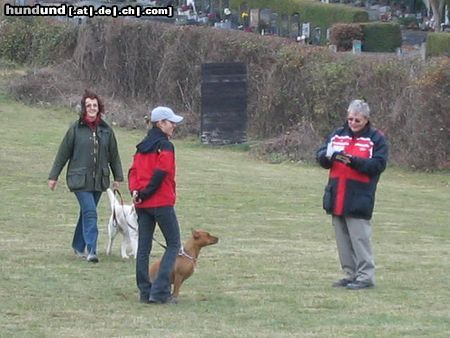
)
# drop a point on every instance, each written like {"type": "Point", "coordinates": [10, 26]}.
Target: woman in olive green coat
{"type": "Point", "coordinates": [90, 147]}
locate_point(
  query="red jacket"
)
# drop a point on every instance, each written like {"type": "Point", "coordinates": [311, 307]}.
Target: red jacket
{"type": "Point", "coordinates": [351, 188]}
{"type": "Point", "coordinates": [152, 173]}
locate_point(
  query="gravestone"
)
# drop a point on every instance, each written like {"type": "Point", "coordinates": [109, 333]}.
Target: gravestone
{"type": "Point", "coordinates": [356, 47]}
{"type": "Point", "coordinates": [306, 30]}
{"type": "Point", "coordinates": [274, 19]}
{"type": "Point", "coordinates": [254, 18]}
{"type": "Point", "coordinates": [295, 26]}
{"type": "Point", "coordinates": [284, 25]}
{"type": "Point", "coordinates": [317, 36]}
{"type": "Point", "coordinates": [264, 20]}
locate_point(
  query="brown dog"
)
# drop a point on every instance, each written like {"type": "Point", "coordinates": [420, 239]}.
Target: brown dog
{"type": "Point", "coordinates": [186, 261]}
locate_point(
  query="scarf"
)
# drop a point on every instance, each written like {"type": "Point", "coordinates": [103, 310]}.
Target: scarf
{"type": "Point", "coordinates": [91, 124]}
{"type": "Point", "coordinates": [154, 136]}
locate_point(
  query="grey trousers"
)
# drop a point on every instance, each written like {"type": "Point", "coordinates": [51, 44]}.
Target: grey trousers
{"type": "Point", "coordinates": [353, 239]}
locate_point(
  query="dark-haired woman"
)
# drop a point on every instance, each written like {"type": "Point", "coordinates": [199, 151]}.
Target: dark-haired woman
{"type": "Point", "coordinates": [90, 147]}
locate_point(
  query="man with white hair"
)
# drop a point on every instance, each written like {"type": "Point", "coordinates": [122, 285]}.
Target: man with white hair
{"type": "Point", "coordinates": [356, 155]}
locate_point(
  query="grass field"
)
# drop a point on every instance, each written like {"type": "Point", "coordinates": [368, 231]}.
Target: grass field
{"type": "Point", "coordinates": [269, 276]}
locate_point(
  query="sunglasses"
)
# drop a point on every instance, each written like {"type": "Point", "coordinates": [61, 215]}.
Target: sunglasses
{"type": "Point", "coordinates": [351, 119]}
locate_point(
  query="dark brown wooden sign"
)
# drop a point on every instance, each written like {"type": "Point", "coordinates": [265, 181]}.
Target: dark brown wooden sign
{"type": "Point", "coordinates": [224, 103]}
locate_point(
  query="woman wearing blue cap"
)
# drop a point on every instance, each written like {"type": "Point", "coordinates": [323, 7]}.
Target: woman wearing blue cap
{"type": "Point", "coordinates": [151, 181]}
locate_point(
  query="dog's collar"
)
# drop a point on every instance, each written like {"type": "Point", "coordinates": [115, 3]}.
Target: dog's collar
{"type": "Point", "coordinates": [185, 254]}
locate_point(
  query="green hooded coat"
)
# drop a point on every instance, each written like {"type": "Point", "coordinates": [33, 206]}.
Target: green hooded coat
{"type": "Point", "coordinates": [91, 154]}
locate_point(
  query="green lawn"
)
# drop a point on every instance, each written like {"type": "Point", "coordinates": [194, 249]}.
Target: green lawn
{"type": "Point", "coordinates": [269, 275]}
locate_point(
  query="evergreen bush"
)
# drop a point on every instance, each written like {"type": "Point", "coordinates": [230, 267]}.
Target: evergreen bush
{"type": "Point", "coordinates": [438, 44]}
{"type": "Point", "coordinates": [381, 37]}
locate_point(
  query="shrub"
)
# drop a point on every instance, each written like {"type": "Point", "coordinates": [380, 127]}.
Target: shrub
{"type": "Point", "coordinates": [422, 116]}
{"type": "Point", "coordinates": [52, 41]}
{"type": "Point", "coordinates": [296, 94]}
{"type": "Point", "coordinates": [36, 40]}
{"type": "Point", "coordinates": [390, 33]}
{"type": "Point", "coordinates": [438, 44]}
{"type": "Point", "coordinates": [342, 35]}
{"type": "Point", "coordinates": [15, 39]}
{"type": "Point", "coordinates": [409, 22]}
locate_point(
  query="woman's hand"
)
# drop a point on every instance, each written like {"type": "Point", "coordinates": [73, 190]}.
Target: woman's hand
{"type": "Point", "coordinates": [52, 184]}
{"type": "Point", "coordinates": [136, 198]}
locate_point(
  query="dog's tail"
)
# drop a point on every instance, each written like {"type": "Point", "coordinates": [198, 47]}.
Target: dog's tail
{"type": "Point", "coordinates": [112, 198]}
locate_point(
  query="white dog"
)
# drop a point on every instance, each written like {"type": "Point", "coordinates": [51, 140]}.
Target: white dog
{"type": "Point", "coordinates": [124, 220]}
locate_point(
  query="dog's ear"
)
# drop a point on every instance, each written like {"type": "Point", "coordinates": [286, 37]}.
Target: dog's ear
{"type": "Point", "coordinates": [195, 233]}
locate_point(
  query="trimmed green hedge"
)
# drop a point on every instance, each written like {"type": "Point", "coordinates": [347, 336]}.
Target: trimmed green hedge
{"type": "Point", "coordinates": [316, 13]}
{"type": "Point", "coordinates": [391, 37]}
{"type": "Point", "coordinates": [438, 44]}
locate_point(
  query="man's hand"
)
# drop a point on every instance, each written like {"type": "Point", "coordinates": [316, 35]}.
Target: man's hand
{"type": "Point", "coordinates": [330, 150]}
{"type": "Point", "coordinates": [343, 158]}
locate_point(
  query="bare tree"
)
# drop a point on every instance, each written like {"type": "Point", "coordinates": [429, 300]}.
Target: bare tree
{"type": "Point", "coordinates": [438, 12]}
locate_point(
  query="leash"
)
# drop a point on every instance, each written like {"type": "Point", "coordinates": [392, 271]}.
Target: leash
{"type": "Point", "coordinates": [182, 252]}
{"type": "Point", "coordinates": [162, 245]}
{"type": "Point", "coordinates": [117, 192]}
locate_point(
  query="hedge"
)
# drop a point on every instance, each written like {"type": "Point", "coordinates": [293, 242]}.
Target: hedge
{"type": "Point", "coordinates": [294, 92]}
{"type": "Point", "coordinates": [390, 33]}
{"type": "Point", "coordinates": [438, 44]}
{"type": "Point", "coordinates": [36, 40]}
